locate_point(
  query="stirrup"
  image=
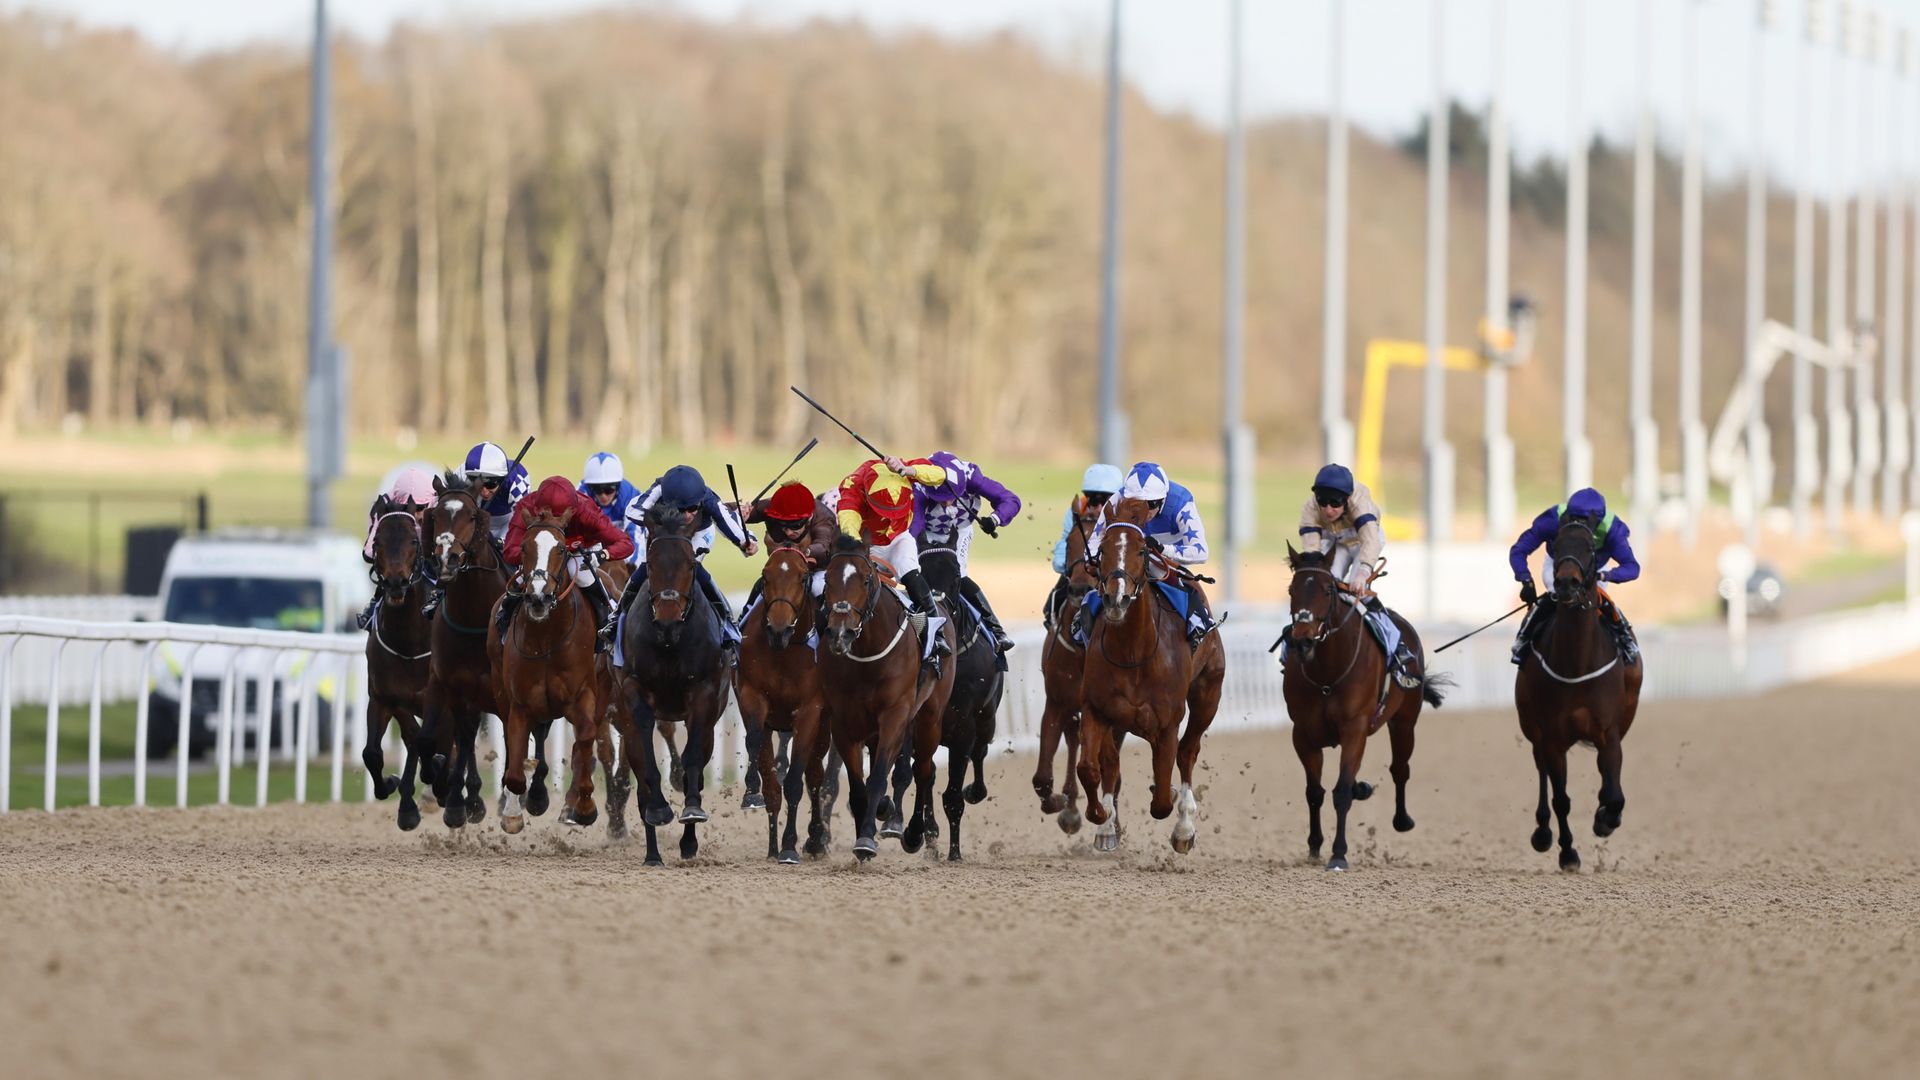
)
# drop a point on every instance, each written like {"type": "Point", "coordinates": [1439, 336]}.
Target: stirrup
{"type": "Point", "coordinates": [603, 637]}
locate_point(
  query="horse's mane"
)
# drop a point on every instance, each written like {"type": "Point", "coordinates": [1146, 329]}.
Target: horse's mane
{"type": "Point", "coordinates": [665, 519]}
{"type": "Point", "coordinates": [1131, 511]}
{"type": "Point", "coordinates": [848, 544]}
{"type": "Point", "coordinates": [450, 480]}
{"type": "Point", "coordinates": [1306, 560]}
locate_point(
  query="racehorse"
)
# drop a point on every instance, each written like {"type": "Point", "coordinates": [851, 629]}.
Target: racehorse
{"type": "Point", "coordinates": [778, 687]}
{"type": "Point", "coordinates": [1573, 687]}
{"type": "Point", "coordinates": [544, 667]}
{"type": "Point", "coordinates": [1062, 664]}
{"type": "Point", "coordinates": [470, 570]}
{"type": "Point", "coordinates": [1338, 693]}
{"type": "Point", "coordinates": [1140, 676]}
{"type": "Point", "coordinates": [967, 726]}
{"type": "Point", "coordinates": [397, 653]}
{"type": "Point", "coordinates": [675, 670]}
{"type": "Point", "coordinates": [874, 687]}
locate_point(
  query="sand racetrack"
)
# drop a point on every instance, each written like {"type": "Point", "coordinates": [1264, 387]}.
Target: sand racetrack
{"type": "Point", "coordinates": [1759, 914]}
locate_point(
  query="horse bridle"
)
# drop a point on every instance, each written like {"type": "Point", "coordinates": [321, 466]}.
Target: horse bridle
{"type": "Point", "coordinates": [541, 574]}
{"type": "Point", "coordinates": [444, 541]}
{"type": "Point", "coordinates": [1586, 601]}
{"type": "Point", "coordinates": [653, 601]}
{"type": "Point", "coordinates": [1137, 583]}
{"type": "Point", "coordinates": [804, 587]}
{"type": "Point", "coordinates": [1329, 626]}
{"type": "Point", "coordinates": [872, 585]}
{"type": "Point", "coordinates": [419, 565]}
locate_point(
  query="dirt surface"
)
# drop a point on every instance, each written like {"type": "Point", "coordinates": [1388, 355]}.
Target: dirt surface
{"type": "Point", "coordinates": [1759, 914]}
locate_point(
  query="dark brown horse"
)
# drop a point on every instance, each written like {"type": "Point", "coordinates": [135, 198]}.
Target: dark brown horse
{"type": "Point", "coordinates": [1574, 686]}
{"type": "Point", "coordinates": [1062, 665]}
{"type": "Point", "coordinates": [675, 670]}
{"type": "Point", "coordinates": [1141, 676]}
{"type": "Point", "coordinates": [967, 726]}
{"type": "Point", "coordinates": [1335, 677]}
{"type": "Point", "coordinates": [544, 668]}
{"type": "Point", "coordinates": [778, 687]}
{"type": "Point", "coordinates": [473, 576]}
{"type": "Point", "coordinates": [398, 648]}
{"type": "Point", "coordinates": [876, 694]}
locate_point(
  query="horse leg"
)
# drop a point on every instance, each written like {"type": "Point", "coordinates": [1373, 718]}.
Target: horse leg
{"type": "Point", "coordinates": [859, 800]}
{"type": "Point", "coordinates": [1052, 725]}
{"type": "Point", "coordinates": [893, 804]}
{"type": "Point", "coordinates": [1353, 744]}
{"type": "Point", "coordinates": [757, 735]}
{"type": "Point", "coordinates": [1311, 761]}
{"type": "Point", "coordinates": [1400, 731]}
{"type": "Point", "coordinates": [694, 759]}
{"type": "Point", "coordinates": [409, 817]}
{"type": "Point", "coordinates": [1165, 749]}
{"type": "Point", "coordinates": [675, 775]}
{"type": "Point", "coordinates": [1070, 819]}
{"type": "Point", "coordinates": [538, 795]}
{"type": "Point", "coordinates": [926, 740]}
{"type": "Point", "coordinates": [470, 745]}
{"type": "Point", "coordinates": [976, 792]}
{"type": "Point", "coordinates": [654, 810]}
{"type": "Point", "coordinates": [1613, 800]}
{"type": "Point", "coordinates": [1098, 766]}
{"type": "Point", "coordinates": [1542, 838]}
{"type": "Point", "coordinates": [836, 768]}
{"type": "Point", "coordinates": [637, 743]}
{"type": "Point", "coordinates": [762, 751]}
{"type": "Point", "coordinates": [375, 760]}
{"type": "Point", "coordinates": [1562, 805]}
{"type": "Point", "coordinates": [453, 808]}
{"type": "Point", "coordinates": [783, 757]}
{"type": "Point", "coordinates": [953, 800]}
{"type": "Point", "coordinates": [810, 730]}
{"type": "Point", "coordinates": [616, 774]}
{"type": "Point", "coordinates": [513, 779]}
{"type": "Point", "coordinates": [584, 715]}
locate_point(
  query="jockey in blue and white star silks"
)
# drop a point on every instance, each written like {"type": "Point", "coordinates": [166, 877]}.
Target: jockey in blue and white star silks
{"type": "Point", "coordinates": [1176, 533]}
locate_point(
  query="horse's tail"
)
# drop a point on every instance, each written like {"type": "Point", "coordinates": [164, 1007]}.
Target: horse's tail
{"type": "Point", "coordinates": [1433, 688]}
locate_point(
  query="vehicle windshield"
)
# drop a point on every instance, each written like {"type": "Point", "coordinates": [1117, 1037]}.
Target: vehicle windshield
{"type": "Point", "coordinates": [256, 603]}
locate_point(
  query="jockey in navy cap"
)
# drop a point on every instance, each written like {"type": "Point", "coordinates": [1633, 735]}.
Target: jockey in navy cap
{"type": "Point", "coordinates": [1610, 546]}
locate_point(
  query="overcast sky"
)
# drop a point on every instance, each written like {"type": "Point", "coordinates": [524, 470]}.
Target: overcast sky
{"type": "Point", "coordinates": [1175, 51]}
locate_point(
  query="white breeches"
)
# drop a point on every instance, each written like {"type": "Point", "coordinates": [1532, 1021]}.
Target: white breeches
{"type": "Point", "coordinates": [1345, 565]}
{"type": "Point", "coordinates": [903, 553]}
{"type": "Point", "coordinates": [962, 543]}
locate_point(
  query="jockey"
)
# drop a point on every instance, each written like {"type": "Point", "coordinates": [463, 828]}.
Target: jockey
{"type": "Point", "coordinates": [1609, 546]}
{"type": "Point", "coordinates": [794, 519]}
{"type": "Point", "coordinates": [1341, 520]}
{"type": "Point", "coordinates": [1097, 485]}
{"type": "Point", "coordinates": [502, 484]}
{"type": "Point", "coordinates": [682, 490]}
{"type": "Point", "coordinates": [412, 492]}
{"type": "Point", "coordinates": [605, 481]}
{"type": "Point", "coordinates": [590, 538]}
{"type": "Point", "coordinates": [876, 508]}
{"type": "Point", "coordinates": [1175, 535]}
{"type": "Point", "coordinates": [944, 514]}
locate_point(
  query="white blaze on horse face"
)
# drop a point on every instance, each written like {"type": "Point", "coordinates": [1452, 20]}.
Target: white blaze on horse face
{"type": "Point", "coordinates": [543, 543]}
{"type": "Point", "coordinates": [847, 573]}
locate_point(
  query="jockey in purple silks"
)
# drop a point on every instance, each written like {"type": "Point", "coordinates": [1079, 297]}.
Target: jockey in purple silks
{"type": "Point", "coordinates": [945, 513]}
{"type": "Point", "coordinates": [1609, 546]}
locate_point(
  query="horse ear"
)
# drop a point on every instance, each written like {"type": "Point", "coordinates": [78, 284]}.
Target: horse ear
{"type": "Point", "coordinates": [439, 487]}
{"type": "Point", "coordinates": [1293, 557]}
{"type": "Point", "coordinates": [565, 517]}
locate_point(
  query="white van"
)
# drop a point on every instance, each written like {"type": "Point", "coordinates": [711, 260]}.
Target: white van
{"type": "Point", "coordinates": [261, 579]}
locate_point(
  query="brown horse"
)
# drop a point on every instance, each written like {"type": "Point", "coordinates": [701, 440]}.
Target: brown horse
{"type": "Point", "coordinates": [1140, 676]}
{"type": "Point", "coordinates": [1062, 664]}
{"type": "Point", "coordinates": [778, 687]}
{"type": "Point", "coordinates": [1335, 677]}
{"type": "Point", "coordinates": [397, 652]}
{"type": "Point", "coordinates": [470, 570]}
{"type": "Point", "coordinates": [1573, 687]}
{"type": "Point", "coordinates": [544, 668]}
{"type": "Point", "coordinates": [871, 673]}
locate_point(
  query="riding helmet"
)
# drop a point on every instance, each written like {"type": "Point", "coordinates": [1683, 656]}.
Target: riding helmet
{"type": "Point", "coordinates": [1334, 478]}
{"type": "Point", "coordinates": [603, 468]}
{"type": "Point", "coordinates": [792, 502]}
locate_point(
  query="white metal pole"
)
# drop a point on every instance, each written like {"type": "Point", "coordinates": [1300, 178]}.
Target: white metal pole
{"type": "Point", "coordinates": [1336, 431]}
{"type": "Point", "coordinates": [1113, 435]}
{"type": "Point", "coordinates": [53, 723]}
{"type": "Point", "coordinates": [1645, 430]}
{"type": "Point", "coordinates": [1234, 435]}
{"type": "Point", "coordinates": [1693, 435]}
{"type": "Point", "coordinates": [1894, 350]}
{"type": "Point", "coordinates": [1806, 429]}
{"type": "Point", "coordinates": [142, 721]}
{"type": "Point", "coordinates": [1577, 449]}
{"type": "Point", "coordinates": [93, 725]}
{"type": "Point", "coordinates": [1759, 441]}
{"type": "Point", "coordinates": [183, 733]}
{"type": "Point", "coordinates": [1839, 423]}
{"type": "Point", "coordinates": [1866, 226]}
{"type": "Point", "coordinates": [1499, 446]}
{"type": "Point", "coordinates": [6, 724]}
{"type": "Point", "coordinates": [1439, 454]}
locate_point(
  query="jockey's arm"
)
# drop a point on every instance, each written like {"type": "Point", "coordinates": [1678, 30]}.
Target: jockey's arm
{"type": "Point", "coordinates": [1188, 544]}
{"type": "Point", "coordinates": [1537, 534]}
{"type": "Point", "coordinates": [924, 473]}
{"type": "Point", "coordinates": [597, 531]}
{"type": "Point", "coordinates": [724, 519]}
{"type": "Point", "coordinates": [1625, 567]}
{"type": "Point", "coordinates": [1313, 534]}
{"type": "Point", "coordinates": [1006, 505]}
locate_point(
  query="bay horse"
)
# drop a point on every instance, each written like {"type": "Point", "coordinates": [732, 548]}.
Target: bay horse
{"type": "Point", "coordinates": [472, 574]}
{"type": "Point", "coordinates": [967, 726]}
{"type": "Point", "coordinates": [1063, 663]}
{"type": "Point", "coordinates": [871, 674]}
{"type": "Point", "coordinates": [778, 687]}
{"type": "Point", "coordinates": [675, 670]}
{"type": "Point", "coordinates": [398, 648]}
{"type": "Point", "coordinates": [1574, 686]}
{"type": "Point", "coordinates": [1140, 676]}
{"type": "Point", "coordinates": [544, 667]}
{"type": "Point", "coordinates": [1335, 672]}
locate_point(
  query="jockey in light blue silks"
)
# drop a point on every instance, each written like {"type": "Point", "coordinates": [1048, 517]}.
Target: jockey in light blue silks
{"type": "Point", "coordinates": [604, 480]}
{"type": "Point", "coordinates": [1176, 535]}
{"type": "Point", "coordinates": [1097, 485]}
{"type": "Point", "coordinates": [1342, 522]}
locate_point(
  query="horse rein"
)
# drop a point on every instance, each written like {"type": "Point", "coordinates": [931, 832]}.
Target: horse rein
{"type": "Point", "coordinates": [1329, 627]}
{"type": "Point", "coordinates": [653, 601]}
{"type": "Point", "coordinates": [444, 541]}
{"type": "Point", "coordinates": [871, 583]}
{"type": "Point", "coordinates": [799, 610]}
{"type": "Point", "coordinates": [419, 560]}
{"type": "Point", "coordinates": [1587, 583]}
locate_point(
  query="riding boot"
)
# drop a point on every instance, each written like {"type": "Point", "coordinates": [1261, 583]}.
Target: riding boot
{"type": "Point", "coordinates": [730, 631]}
{"type": "Point", "coordinates": [604, 640]}
{"type": "Point", "coordinates": [753, 596]}
{"type": "Point", "coordinates": [1535, 615]}
{"type": "Point", "coordinates": [1200, 619]}
{"type": "Point", "coordinates": [601, 606]}
{"type": "Point", "coordinates": [921, 594]}
{"type": "Point", "coordinates": [970, 589]}
{"type": "Point", "coordinates": [433, 602]}
{"type": "Point", "coordinates": [1401, 663]}
{"type": "Point", "coordinates": [365, 619]}
{"type": "Point", "coordinates": [503, 617]}
{"type": "Point", "coordinates": [1622, 631]}
{"type": "Point", "coordinates": [1083, 620]}
{"type": "Point", "coordinates": [1055, 599]}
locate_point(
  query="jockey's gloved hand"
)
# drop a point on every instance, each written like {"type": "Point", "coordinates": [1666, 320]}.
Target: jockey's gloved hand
{"type": "Point", "coordinates": [989, 525]}
{"type": "Point", "coordinates": [1602, 577]}
{"type": "Point", "coordinates": [1527, 594]}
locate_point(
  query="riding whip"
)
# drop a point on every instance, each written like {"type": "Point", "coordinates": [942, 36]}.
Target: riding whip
{"type": "Point", "coordinates": [804, 451]}
{"type": "Point", "coordinates": [874, 450]}
{"type": "Point", "coordinates": [1489, 626]}
{"type": "Point", "coordinates": [737, 505]}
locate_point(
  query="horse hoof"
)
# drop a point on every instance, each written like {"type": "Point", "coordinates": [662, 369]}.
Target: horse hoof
{"type": "Point", "coordinates": [913, 839]}
{"type": "Point", "coordinates": [692, 814]}
{"type": "Point", "coordinates": [1602, 827]}
{"type": "Point", "coordinates": [1106, 842]}
{"type": "Point", "coordinates": [1337, 864]}
{"type": "Point", "coordinates": [653, 860]}
{"type": "Point", "coordinates": [753, 801]}
{"type": "Point", "coordinates": [409, 817]}
{"type": "Point", "coordinates": [1052, 804]}
{"type": "Point", "coordinates": [865, 848]}
{"type": "Point", "coordinates": [454, 815]}
{"type": "Point", "coordinates": [384, 787]}
{"type": "Point", "coordinates": [789, 857]}
{"type": "Point", "coordinates": [892, 830]}
{"type": "Point", "coordinates": [538, 799]}
{"type": "Point", "coordinates": [689, 846]}
{"type": "Point", "coordinates": [569, 817]}
{"type": "Point", "coordinates": [884, 808]}
{"type": "Point", "coordinates": [976, 792]}
{"type": "Point", "coordinates": [1542, 838]}
{"type": "Point", "coordinates": [616, 830]}
{"type": "Point", "coordinates": [512, 825]}
{"type": "Point", "coordinates": [657, 816]}
{"type": "Point", "coordinates": [1070, 820]}
{"type": "Point", "coordinates": [1402, 823]}
{"type": "Point", "coordinates": [476, 810]}
{"type": "Point", "coordinates": [1183, 844]}
{"type": "Point", "coordinates": [1362, 791]}
{"type": "Point", "coordinates": [1570, 860]}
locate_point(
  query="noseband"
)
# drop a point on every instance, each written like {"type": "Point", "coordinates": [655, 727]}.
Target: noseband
{"type": "Point", "coordinates": [1329, 626]}
{"type": "Point", "coordinates": [1586, 601]}
{"type": "Point", "coordinates": [653, 601]}
{"type": "Point", "coordinates": [1136, 583]}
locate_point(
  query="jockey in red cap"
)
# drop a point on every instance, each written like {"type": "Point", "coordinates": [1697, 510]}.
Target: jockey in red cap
{"type": "Point", "coordinates": [590, 538]}
{"type": "Point", "coordinates": [793, 519]}
{"type": "Point", "coordinates": [875, 506]}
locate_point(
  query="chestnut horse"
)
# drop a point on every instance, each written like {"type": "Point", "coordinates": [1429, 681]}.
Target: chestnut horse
{"type": "Point", "coordinates": [778, 687]}
{"type": "Point", "coordinates": [544, 668]}
{"type": "Point", "coordinates": [1062, 664]}
{"type": "Point", "coordinates": [1335, 674]}
{"type": "Point", "coordinates": [871, 673]}
{"type": "Point", "coordinates": [398, 649]}
{"type": "Point", "coordinates": [1574, 686]}
{"type": "Point", "coordinates": [1141, 675]}
{"type": "Point", "coordinates": [675, 670]}
{"type": "Point", "coordinates": [473, 576]}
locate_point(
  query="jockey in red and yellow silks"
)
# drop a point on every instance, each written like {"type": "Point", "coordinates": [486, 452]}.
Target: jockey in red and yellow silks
{"type": "Point", "coordinates": [876, 507]}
